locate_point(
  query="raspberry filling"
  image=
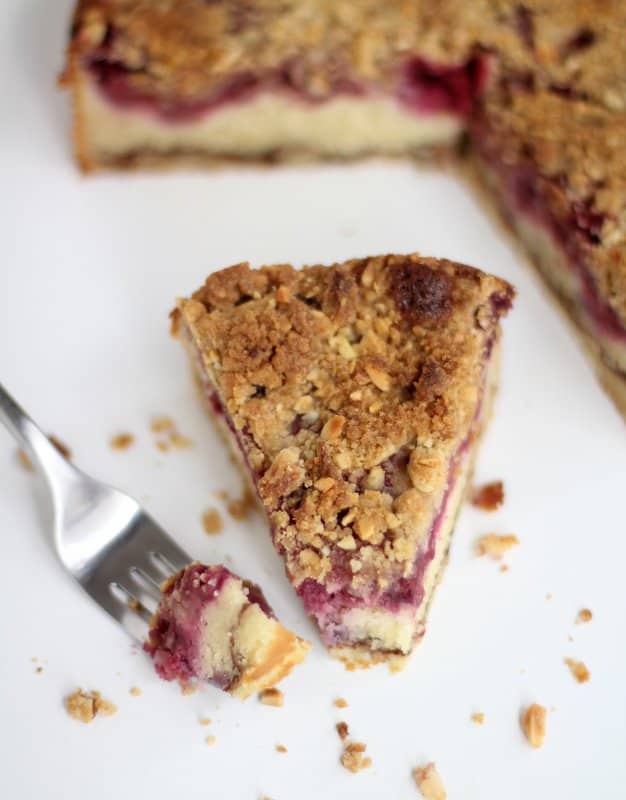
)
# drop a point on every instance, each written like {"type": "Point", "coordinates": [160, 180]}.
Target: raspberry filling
{"type": "Point", "coordinates": [423, 87]}
{"type": "Point", "coordinates": [576, 233]}
{"type": "Point", "coordinates": [176, 636]}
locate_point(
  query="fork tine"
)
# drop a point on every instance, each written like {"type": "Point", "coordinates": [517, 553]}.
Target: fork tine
{"type": "Point", "coordinates": [149, 593]}
{"type": "Point", "coordinates": [132, 603]}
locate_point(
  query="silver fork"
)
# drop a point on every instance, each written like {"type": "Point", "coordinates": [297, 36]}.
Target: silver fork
{"type": "Point", "coordinates": [105, 540]}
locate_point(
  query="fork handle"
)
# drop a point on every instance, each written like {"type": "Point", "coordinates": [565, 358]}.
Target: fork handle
{"type": "Point", "coordinates": [43, 453]}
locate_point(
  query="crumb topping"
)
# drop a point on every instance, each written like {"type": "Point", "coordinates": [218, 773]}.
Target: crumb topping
{"type": "Point", "coordinates": [212, 521]}
{"type": "Point", "coordinates": [429, 782]}
{"type": "Point", "coordinates": [347, 401]}
{"type": "Point", "coordinates": [578, 670]}
{"type": "Point", "coordinates": [86, 706]}
{"type": "Point", "coordinates": [534, 724]}
{"type": "Point", "coordinates": [495, 545]}
{"type": "Point", "coordinates": [272, 697]}
{"type": "Point", "coordinates": [353, 757]}
{"type": "Point", "coordinates": [489, 497]}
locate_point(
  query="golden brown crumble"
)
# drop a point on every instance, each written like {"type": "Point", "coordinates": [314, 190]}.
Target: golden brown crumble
{"type": "Point", "coordinates": [478, 717]}
{"type": "Point", "coordinates": [86, 706]}
{"type": "Point", "coordinates": [211, 740]}
{"type": "Point", "coordinates": [494, 545]}
{"type": "Point", "coordinates": [578, 670]}
{"type": "Point", "coordinates": [382, 473]}
{"type": "Point", "coordinates": [280, 748]}
{"type": "Point", "coordinates": [342, 730]}
{"type": "Point", "coordinates": [353, 758]}
{"type": "Point", "coordinates": [212, 521]}
{"type": "Point", "coordinates": [205, 721]}
{"type": "Point", "coordinates": [584, 615]}
{"type": "Point", "coordinates": [272, 697]}
{"type": "Point", "coordinates": [429, 782]}
{"type": "Point", "coordinates": [489, 497]}
{"type": "Point", "coordinates": [534, 724]}
{"type": "Point", "coordinates": [168, 435]}
{"type": "Point", "coordinates": [135, 691]}
{"type": "Point", "coordinates": [240, 508]}
{"type": "Point", "coordinates": [122, 441]}
{"type": "Point", "coordinates": [340, 702]}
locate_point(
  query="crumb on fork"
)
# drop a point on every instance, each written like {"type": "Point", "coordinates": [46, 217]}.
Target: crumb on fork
{"type": "Point", "coordinates": [272, 697]}
{"type": "Point", "coordinates": [534, 724]}
{"type": "Point", "coordinates": [494, 545]}
{"type": "Point", "coordinates": [429, 782]}
{"type": "Point", "coordinates": [353, 758]}
{"type": "Point", "coordinates": [86, 706]}
{"type": "Point", "coordinates": [489, 497]}
{"type": "Point", "coordinates": [578, 670]}
{"type": "Point", "coordinates": [122, 441]}
{"type": "Point", "coordinates": [212, 521]}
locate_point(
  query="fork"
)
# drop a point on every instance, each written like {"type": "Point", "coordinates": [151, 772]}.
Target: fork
{"type": "Point", "coordinates": [104, 539]}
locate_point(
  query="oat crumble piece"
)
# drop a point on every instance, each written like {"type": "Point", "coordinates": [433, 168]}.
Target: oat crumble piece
{"type": "Point", "coordinates": [280, 748]}
{"type": "Point", "coordinates": [135, 691]}
{"type": "Point", "coordinates": [494, 545]}
{"type": "Point", "coordinates": [85, 706]}
{"type": "Point", "coordinates": [353, 758]}
{"type": "Point", "coordinates": [534, 724]}
{"type": "Point", "coordinates": [578, 670]}
{"type": "Point", "coordinates": [204, 721]}
{"type": "Point", "coordinates": [240, 508]}
{"type": "Point", "coordinates": [584, 615]}
{"type": "Point", "coordinates": [340, 702]}
{"type": "Point", "coordinates": [122, 441]}
{"type": "Point", "coordinates": [489, 497]}
{"type": "Point", "coordinates": [187, 688]}
{"type": "Point", "coordinates": [212, 521]}
{"type": "Point", "coordinates": [272, 697]}
{"type": "Point", "coordinates": [478, 717]}
{"type": "Point", "coordinates": [342, 730]}
{"type": "Point", "coordinates": [211, 740]}
{"type": "Point", "coordinates": [429, 782]}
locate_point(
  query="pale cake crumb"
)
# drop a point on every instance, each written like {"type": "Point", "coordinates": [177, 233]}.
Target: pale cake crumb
{"type": "Point", "coordinates": [584, 615]}
{"type": "Point", "coordinates": [205, 721]}
{"type": "Point", "coordinates": [272, 697]}
{"type": "Point", "coordinates": [340, 703]}
{"type": "Point", "coordinates": [343, 730]}
{"type": "Point", "coordinates": [122, 441]}
{"type": "Point", "coordinates": [240, 507]}
{"type": "Point", "coordinates": [135, 691]}
{"type": "Point", "coordinates": [353, 758]}
{"type": "Point", "coordinates": [534, 724]}
{"type": "Point", "coordinates": [210, 740]}
{"type": "Point", "coordinates": [478, 717]}
{"type": "Point", "coordinates": [85, 706]}
{"type": "Point", "coordinates": [429, 782]}
{"type": "Point", "coordinates": [578, 670]}
{"type": "Point", "coordinates": [494, 545]}
{"type": "Point", "coordinates": [280, 748]}
{"type": "Point", "coordinates": [212, 521]}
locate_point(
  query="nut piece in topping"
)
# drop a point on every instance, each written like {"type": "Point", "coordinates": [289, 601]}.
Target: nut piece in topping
{"type": "Point", "coordinates": [578, 670]}
{"type": "Point", "coordinates": [122, 441]}
{"type": "Point", "coordinates": [353, 758]}
{"type": "Point", "coordinates": [342, 730]}
{"type": "Point", "coordinates": [429, 782]}
{"type": "Point", "coordinates": [584, 615]}
{"type": "Point", "coordinates": [86, 706]}
{"type": "Point", "coordinates": [534, 724]}
{"type": "Point", "coordinates": [272, 697]}
{"type": "Point", "coordinates": [478, 717]}
{"type": "Point", "coordinates": [495, 546]}
{"type": "Point", "coordinates": [212, 521]}
{"type": "Point", "coordinates": [489, 497]}
{"type": "Point", "coordinates": [340, 702]}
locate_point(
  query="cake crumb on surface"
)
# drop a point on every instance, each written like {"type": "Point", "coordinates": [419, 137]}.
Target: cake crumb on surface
{"type": "Point", "coordinates": [239, 508]}
{"type": "Point", "coordinates": [272, 697]}
{"type": "Point", "coordinates": [340, 703]}
{"type": "Point", "coordinates": [26, 463]}
{"type": "Point", "coordinates": [85, 706]}
{"type": "Point", "coordinates": [122, 441]}
{"type": "Point", "coordinates": [39, 670]}
{"type": "Point", "coordinates": [504, 567]}
{"type": "Point", "coordinates": [210, 740]}
{"type": "Point", "coordinates": [135, 691]}
{"type": "Point", "coordinates": [478, 717]}
{"type": "Point", "coordinates": [168, 434]}
{"type": "Point", "coordinates": [578, 670]}
{"type": "Point", "coordinates": [534, 724]}
{"type": "Point", "coordinates": [212, 521]}
{"type": "Point", "coordinates": [489, 497]}
{"type": "Point", "coordinates": [584, 615]}
{"type": "Point", "coordinates": [342, 730]}
{"type": "Point", "coordinates": [549, 596]}
{"type": "Point", "coordinates": [494, 545]}
{"type": "Point", "coordinates": [429, 782]}
{"type": "Point", "coordinates": [353, 758]}
{"type": "Point", "coordinates": [205, 720]}
{"type": "Point", "coordinates": [280, 748]}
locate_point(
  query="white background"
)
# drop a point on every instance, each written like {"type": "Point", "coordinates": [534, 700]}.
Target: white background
{"type": "Point", "coordinates": [90, 269]}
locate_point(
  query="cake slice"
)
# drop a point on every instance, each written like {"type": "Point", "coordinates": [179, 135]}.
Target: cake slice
{"type": "Point", "coordinates": [157, 82]}
{"type": "Point", "coordinates": [354, 396]}
{"type": "Point", "coordinates": [212, 626]}
{"type": "Point", "coordinates": [556, 165]}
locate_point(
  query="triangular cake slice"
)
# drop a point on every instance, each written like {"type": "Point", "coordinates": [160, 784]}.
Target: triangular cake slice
{"type": "Point", "coordinates": [354, 396]}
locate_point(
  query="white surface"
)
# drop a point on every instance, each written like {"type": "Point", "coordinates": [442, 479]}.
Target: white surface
{"type": "Point", "coordinates": [92, 269]}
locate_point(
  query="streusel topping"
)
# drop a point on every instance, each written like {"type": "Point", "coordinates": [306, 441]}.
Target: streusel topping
{"type": "Point", "coordinates": [350, 387]}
